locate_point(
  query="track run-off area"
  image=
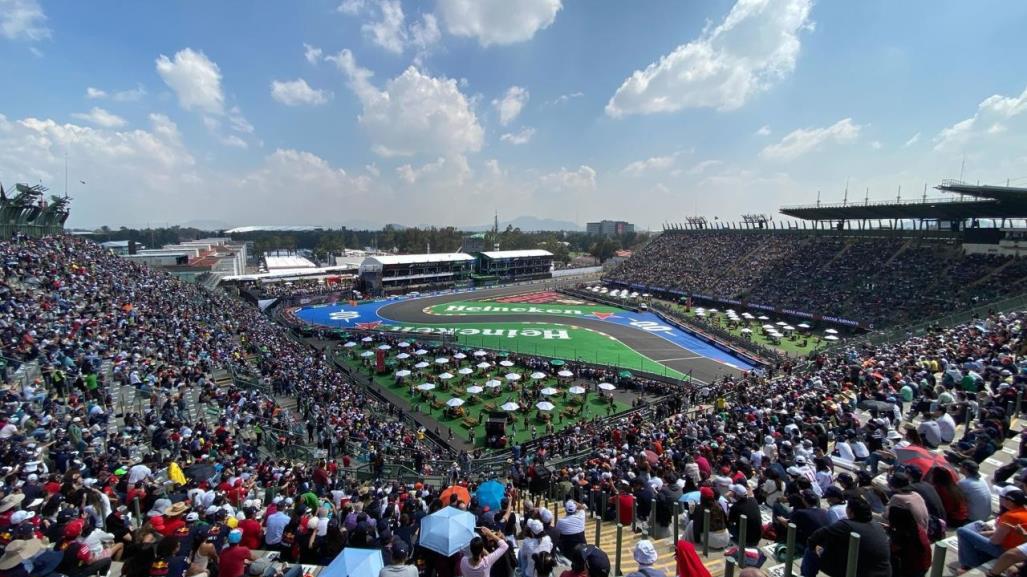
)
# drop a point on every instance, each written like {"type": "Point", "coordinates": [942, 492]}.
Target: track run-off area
{"type": "Point", "coordinates": [539, 322]}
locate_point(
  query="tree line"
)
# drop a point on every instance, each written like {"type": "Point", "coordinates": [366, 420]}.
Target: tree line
{"type": "Point", "coordinates": [324, 242]}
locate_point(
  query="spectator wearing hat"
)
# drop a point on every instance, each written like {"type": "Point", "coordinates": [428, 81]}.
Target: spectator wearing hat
{"type": "Point", "coordinates": [979, 542]}
{"type": "Point", "coordinates": [836, 507]}
{"type": "Point", "coordinates": [398, 567]}
{"type": "Point", "coordinates": [174, 518]}
{"type": "Point", "coordinates": [975, 490]}
{"type": "Point", "coordinates": [645, 555]}
{"type": "Point", "coordinates": [720, 537]}
{"type": "Point", "coordinates": [571, 527]}
{"type": "Point", "coordinates": [535, 540]}
{"type": "Point", "coordinates": [742, 503]}
{"type": "Point", "coordinates": [32, 552]}
{"type": "Point", "coordinates": [233, 560]}
{"type": "Point", "coordinates": [252, 532]}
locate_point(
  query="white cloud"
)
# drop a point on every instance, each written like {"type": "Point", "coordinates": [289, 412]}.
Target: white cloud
{"type": "Point", "coordinates": [522, 136]}
{"type": "Point", "coordinates": [650, 164]}
{"type": "Point", "coordinates": [23, 20]}
{"type": "Point", "coordinates": [804, 140]}
{"type": "Point", "coordinates": [511, 104]}
{"type": "Point", "coordinates": [763, 131]}
{"type": "Point", "coordinates": [312, 53]}
{"type": "Point", "coordinates": [912, 140]}
{"type": "Point", "coordinates": [580, 180]}
{"type": "Point", "coordinates": [352, 7]}
{"type": "Point", "coordinates": [132, 95]}
{"type": "Point", "coordinates": [297, 92]}
{"type": "Point", "coordinates": [453, 171]}
{"type": "Point", "coordinates": [195, 79]}
{"type": "Point", "coordinates": [876, 145]}
{"type": "Point", "coordinates": [100, 117]}
{"type": "Point", "coordinates": [498, 21]}
{"type": "Point", "coordinates": [755, 46]}
{"type": "Point", "coordinates": [992, 114]}
{"type": "Point", "coordinates": [414, 113]}
{"type": "Point", "coordinates": [388, 27]}
{"type": "Point", "coordinates": [566, 97]}
{"type": "Point", "coordinates": [705, 165]}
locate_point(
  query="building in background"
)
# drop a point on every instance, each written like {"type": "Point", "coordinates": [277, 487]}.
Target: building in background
{"type": "Point", "coordinates": [609, 228]}
{"type": "Point", "coordinates": [513, 265]}
{"type": "Point", "coordinates": [474, 243]}
{"type": "Point", "coordinates": [394, 274]}
{"type": "Point", "coordinates": [210, 258]}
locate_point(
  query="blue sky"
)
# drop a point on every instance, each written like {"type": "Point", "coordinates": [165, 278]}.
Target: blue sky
{"type": "Point", "coordinates": [442, 111]}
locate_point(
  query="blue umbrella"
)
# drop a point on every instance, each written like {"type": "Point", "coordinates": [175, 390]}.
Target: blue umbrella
{"type": "Point", "coordinates": [447, 530]}
{"type": "Point", "coordinates": [491, 493]}
{"type": "Point", "coordinates": [690, 497]}
{"type": "Point", "coordinates": [354, 562]}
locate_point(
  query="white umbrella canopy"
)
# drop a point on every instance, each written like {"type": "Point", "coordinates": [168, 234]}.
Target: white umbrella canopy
{"type": "Point", "coordinates": [384, 347]}
{"type": "Point", "coordinates": [460, 356]}
{"type": "Point", "coordinates": [831, 332]}
{"type": "Point", "coordinates": [420, 352]}
{"type": "Point", "coordinates": [700, 313]}
{"type": "Point", "coordinates": [367, 354]}
{"type": "Point", "coordinates": [831, 338]}
{"type": "Point", "coordinates": [770, 327]}
{"type": "Point", "coordinates": [763, 318]}
{"type": "Point", "coordinates": [513, 377]}
{"type": "Point", "coordinates": [480, 353]}
{"type": "Point", "coordinates": [446, 376]}
{"type": "Point", "coordinates": [483, 365]}
{"type": "Point", "coordinates": [510, 406]}
{"type": "Point", "coordinates": [402, 344]}
{"type": "Point", "coordinates": [466, 371]}
{"type": "Point", "coordinates": [441, 361]}
{"type": "Point", "coordinates": [565, 374]}
{"type": "Point", "coordinates": [788, 328]}
{"type": "Point", "coordinates": [545, 406]}
{"type": "Point", "coordinates": [746, 330]}
{"type": "Point", "coordinates": [606, 386]}
{"type": "Point", "coordinates": [493, 384]}
{"type": "Point", "coordinates": [350, 345]}
{"type": "Point", "coordinates": [475, 390]}
{"type": "Point", "coordinates": [403, 373]}
{"type": "Point", "coordinates": [711, 310]}
{"type": "Point", "coordinates": [746, 315]}
{"type": "Point", "coordinates": [549, 391]}
{"type": "Point", "coordinates": [506, 363]}
{"type": "Point", "coordinates": [421, 365]}
{"type": "Point", "coordinates": [402, 356]}
{"type": "Point", "coordinates": [425, 386]}
{"type": "Point", "coordinates": [780, 323]}
{"type": "Point", "coordinates": [803, 326]}
{"type": "Point", "coordinates": [576, 390]}
{"type": "Point", "coordinates": [366, 340]}
{"type": "Point", "coordinates": [455, 402]}
{"type": "Point", "coordinates": [538, 375]}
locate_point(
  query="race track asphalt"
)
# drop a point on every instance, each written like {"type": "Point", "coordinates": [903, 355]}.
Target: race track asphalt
{"type": "Point", "coordinates": [702, 368]}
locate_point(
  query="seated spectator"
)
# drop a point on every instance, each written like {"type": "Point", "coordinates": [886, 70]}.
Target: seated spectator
{"type": "Point", "coordinates": [979, 542]}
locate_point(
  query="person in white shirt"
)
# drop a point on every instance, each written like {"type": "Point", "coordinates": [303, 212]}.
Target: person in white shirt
{"type": "Point", "coordinates": [836, 504]}
{"type": "Point", "coordinates": [843, 450]}
{"type": "Point", "coordinates": [947, 426]}
{"type": "Point", "coordinates": [535, 541]}
{"type": "Point", "coordinates": [930, 433]}
{"type": "Point", "coordinates": [138, 472]}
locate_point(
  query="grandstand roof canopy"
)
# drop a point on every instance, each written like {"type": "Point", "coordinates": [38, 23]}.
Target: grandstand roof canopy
{"type": "Point", "coordinates": [287, 262]}
{"type": "Point", "coordinates": [984, 202]}
{"type": "Point", "coordinates": [245, 229]}
{"type": "Point", "coordinates": [417, 258]}
{"type": "Point", "coordinates": [494, 254]}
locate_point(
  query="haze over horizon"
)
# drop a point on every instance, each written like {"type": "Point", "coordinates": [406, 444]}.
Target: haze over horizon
{"type": "Point", "coordinates": [444, 111]}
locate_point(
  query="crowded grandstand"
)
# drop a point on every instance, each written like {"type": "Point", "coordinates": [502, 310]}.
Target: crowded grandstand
{"type": "Point", "coordinates": [157, 427]}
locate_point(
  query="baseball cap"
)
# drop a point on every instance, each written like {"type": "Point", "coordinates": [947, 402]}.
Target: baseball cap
{"type": "Point", "coordinates": [570, 507]}
{"type": "Point", "coordinates": [645, 553]}
{"type": "Point", "coordinates": [234, 536]}
{"type": "Point", "coordinates": [399, 549]}
{"type": "Point", "coordinates": [1015, 496]}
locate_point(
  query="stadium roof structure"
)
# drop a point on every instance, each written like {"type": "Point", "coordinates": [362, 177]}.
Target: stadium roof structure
{"type": "Point", "coordinates": [495, 254]}
{"type": "Point", "coordinates": [287, 262]}
{"type": "Point", "coordinates": [984, 201]}
{"type": "Point", "coordinates": [385, 260]}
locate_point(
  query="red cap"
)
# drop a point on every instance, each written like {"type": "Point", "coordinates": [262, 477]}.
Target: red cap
{"type": "Point", "coordinates": [706, 493]}
{"type": "Point", "coordinates": [74, 528]}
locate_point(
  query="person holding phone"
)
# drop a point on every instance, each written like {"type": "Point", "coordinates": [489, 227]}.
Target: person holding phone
{"type": "Point", "coordinates": [478, 564]}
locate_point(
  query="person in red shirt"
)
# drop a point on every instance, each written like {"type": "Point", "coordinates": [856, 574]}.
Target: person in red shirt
{"type": "Point", "coordinates": [251, 529]}
{"type": "Point", "coordinates": [174, 518]}
{"type": "Point", "coordinates": [233, 560]}
{"type": "Point", "coordinates": [625, 505]}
